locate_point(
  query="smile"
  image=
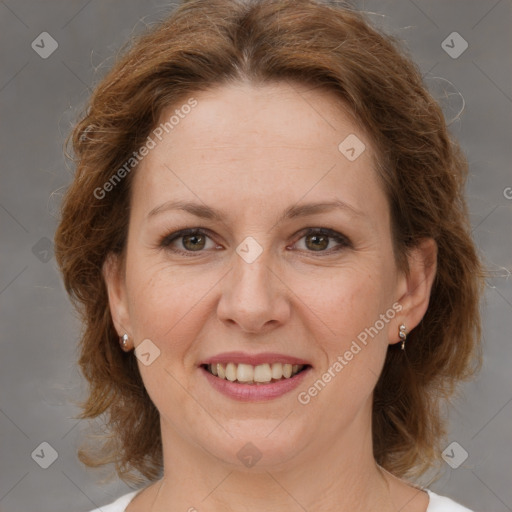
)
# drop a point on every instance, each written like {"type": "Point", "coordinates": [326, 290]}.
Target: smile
{"type": "Point", "coordinates": [258, 374]}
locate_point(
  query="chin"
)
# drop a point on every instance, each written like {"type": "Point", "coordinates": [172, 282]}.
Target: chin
{"type": "Point", "coordinates": [258, 445]}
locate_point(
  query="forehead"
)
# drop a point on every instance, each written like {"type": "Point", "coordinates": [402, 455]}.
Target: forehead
{"type": "Point", "coordinates": [276, 113]}
{"type": "Point", "coordinates": [274, 142]}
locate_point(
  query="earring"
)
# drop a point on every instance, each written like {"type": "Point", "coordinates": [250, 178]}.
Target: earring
{"type": "Point", "coordinates": [123, 340]}
{"type": "Point", "coordinates": [403, 335]}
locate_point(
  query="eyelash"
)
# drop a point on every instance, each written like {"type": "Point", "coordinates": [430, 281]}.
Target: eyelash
{"type": "Point", "coordinates": [167, 240]}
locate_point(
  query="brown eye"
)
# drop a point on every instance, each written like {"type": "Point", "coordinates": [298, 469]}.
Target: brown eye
{"type": "Point", "coordinates": [317, 242]}
{"type": "Point", "coordinates": [187, 241]}
{"type": "Point", "coordinates": [319, 239]}
{"type": "Point", "coordinates": [194, 242]}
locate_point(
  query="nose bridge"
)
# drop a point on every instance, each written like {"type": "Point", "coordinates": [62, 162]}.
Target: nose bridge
{"type": "Point", "coordinates": [251, 274]}
{"type": "Point", "coordinates": [252, 271]}
{"type": "Point", "coordinates": [253, 296]}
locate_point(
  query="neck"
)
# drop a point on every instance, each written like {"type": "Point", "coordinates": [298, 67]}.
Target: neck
{"type": "Point", "coordinates": [338, 476]}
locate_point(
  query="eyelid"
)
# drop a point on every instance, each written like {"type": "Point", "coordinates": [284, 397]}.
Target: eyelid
{"type": "Point", "coordinates": [166, 241]}
{"type": "Point", "coordinates": [342, 239]}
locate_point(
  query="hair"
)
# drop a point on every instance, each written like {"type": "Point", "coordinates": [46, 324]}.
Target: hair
{"type": "Point", "coordinates": [208, 43]}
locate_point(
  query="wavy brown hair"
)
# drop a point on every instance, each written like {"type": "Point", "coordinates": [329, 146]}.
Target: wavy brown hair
{"type": "Point", "coordinates": [205, 43]}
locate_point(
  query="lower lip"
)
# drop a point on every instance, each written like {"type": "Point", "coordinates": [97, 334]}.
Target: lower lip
{"type": "Point", "coordinates": [255, 392]}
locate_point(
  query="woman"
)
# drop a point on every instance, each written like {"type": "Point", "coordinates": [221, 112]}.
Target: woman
{"type": "Point", "coordinates": [268, 241]}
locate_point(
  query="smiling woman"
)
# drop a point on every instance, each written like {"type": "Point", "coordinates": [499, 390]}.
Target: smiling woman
{"type": "Point", "coordinates": [300, 233]}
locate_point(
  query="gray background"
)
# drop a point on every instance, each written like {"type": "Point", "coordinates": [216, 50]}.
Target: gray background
{"type": "Point", "coordinates": [40, 99]}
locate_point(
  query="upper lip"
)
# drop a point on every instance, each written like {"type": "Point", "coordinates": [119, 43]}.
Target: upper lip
{"type": "Point", "coordinates": [253, 359]}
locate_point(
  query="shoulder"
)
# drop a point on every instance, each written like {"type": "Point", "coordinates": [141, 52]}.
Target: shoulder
{"type": "Point", "coordinates": [443, 504]}
{"type": "Point", "coordinates": [119, 505]}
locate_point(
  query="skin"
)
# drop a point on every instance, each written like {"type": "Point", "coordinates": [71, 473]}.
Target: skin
{"type": "Point", "coordinates": [251, 151]}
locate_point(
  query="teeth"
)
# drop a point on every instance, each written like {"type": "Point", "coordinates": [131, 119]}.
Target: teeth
{"type": "Point", "coordinates": [277, 370]}
{"type": "Point", "coordinates": [261, 373]}
{"type": "Point", "coordinates": [231, 371]}
{"type": "Point", "coordinates": [244, 373]}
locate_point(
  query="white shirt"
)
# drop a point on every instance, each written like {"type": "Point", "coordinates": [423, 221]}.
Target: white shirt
{"type": "Point", "coordinates": [436, 504]}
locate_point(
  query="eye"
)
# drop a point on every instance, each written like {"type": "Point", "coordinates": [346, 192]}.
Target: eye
{"type": "Point", "coordinates": [319, 239]}
{"type": "Point", "coordinates": [192, 240]}
{"type": "Point", "coordinates": [195, 240]}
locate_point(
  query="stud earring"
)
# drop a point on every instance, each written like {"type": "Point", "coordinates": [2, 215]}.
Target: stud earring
{"type": "Point", "coordinates": [403, 335]}
{"type": "Point", "coordinates": [123, 340]}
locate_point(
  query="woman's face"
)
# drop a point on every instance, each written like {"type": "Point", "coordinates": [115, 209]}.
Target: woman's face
{"type": "Point", "coordinates": [259, 289]}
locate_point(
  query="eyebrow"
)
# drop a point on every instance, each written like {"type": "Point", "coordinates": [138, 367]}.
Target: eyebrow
{"type": "Point", "coordinates": [205, 212]}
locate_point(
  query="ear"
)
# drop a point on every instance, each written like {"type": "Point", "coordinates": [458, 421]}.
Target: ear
{"type": "Point", "coordinates": [415, 285]}
{"type": "Point", "coordinates": [114, 276]}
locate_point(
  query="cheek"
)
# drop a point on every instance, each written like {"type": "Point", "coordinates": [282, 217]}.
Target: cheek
{"type": "Point", "coordinates": [165, 304]}
{"type": "Point", "coordinates": [350, 300]}
{"type": "Point", "coordinates": [350, 305]}
{"type": "Point", "coordinates": [164, 308]}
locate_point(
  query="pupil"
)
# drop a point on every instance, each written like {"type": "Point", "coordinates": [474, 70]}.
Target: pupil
{"type": "Point", "coordinates": [319, 238]}
{"type": "Point", "coordinates": [195, 243]}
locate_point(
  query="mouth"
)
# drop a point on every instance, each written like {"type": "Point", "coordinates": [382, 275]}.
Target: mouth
{"type": "Point", "coordinates": [254, 377]}
{"type": "Point", "coordinates": [265, 373]}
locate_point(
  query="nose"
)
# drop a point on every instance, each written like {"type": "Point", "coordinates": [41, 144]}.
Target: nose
{"type": "Point", "coordinates": [254, 295]}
